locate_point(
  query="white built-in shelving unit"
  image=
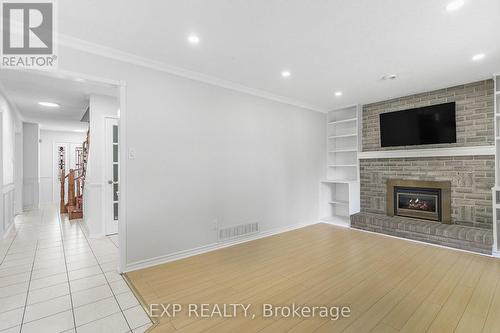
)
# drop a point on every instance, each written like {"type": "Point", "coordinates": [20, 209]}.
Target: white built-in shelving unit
{"type": "Point", "coordinates": [496, 189]}
{"type": "Point", "coordinates": [340, 190]}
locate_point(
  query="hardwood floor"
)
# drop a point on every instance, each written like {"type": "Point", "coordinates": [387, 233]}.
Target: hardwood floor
{"type": "Point", "coordinates": [390, 285]}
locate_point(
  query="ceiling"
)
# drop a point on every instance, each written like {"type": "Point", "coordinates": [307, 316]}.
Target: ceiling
{"type": "Point", "coordinates": [328, 45]}
{"type": "Point", "coordinates": [26, 89]}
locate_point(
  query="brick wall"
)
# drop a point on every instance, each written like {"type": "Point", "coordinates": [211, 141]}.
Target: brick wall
{"type": "Point", "coordinates": [471, 176]}
{"type": "Point", "coordinates": [474, 114]}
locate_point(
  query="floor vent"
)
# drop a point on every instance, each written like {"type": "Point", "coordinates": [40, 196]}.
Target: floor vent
{"type": "Point", "coordinates": [238, 231]}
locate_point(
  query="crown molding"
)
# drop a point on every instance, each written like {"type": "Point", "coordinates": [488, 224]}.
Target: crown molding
{"type": "Point", "coordinates": [108, 52]}
{"type": "Point", "coordinates": [348, 106]}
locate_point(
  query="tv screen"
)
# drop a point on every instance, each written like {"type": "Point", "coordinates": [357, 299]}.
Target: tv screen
{"type": "Point", "coordinates": [420, 126]}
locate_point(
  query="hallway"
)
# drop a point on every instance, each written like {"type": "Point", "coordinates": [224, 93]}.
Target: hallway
{"type": "Point", "coordinates": [54, 279]}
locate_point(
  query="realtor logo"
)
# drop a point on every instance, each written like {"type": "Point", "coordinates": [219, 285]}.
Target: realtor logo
{"type": "Point", "coordinates": [28, 34]}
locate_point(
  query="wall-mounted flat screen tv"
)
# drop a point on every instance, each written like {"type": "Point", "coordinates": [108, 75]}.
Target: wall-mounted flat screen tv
{"type": "Point", "coordinates": [421, 126]}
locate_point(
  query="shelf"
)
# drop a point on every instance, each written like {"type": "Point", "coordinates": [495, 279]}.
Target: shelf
{"type": "Point", "coordinates": [343, 151]}
{"type": "Point", "coordinates": [342, 121]}
{"type": "Point", "coordinates": [339, 192]}
{"type": "Point", "coordinates": [342, 136]}
{"type": "Point", "coordinates": [340, 181]}
{"type": "Point", "coordinates": [342, 165]}
{"type": "Point", "coordinates": [429, 152]}
{"type": "Point", "coordinates": [336, 202]}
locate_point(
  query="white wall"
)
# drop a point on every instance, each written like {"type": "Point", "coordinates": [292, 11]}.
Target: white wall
{"type": "Point", "coordinates": [207, 154]}
{"type": "Point", "coordinates": [2, 216]}
{"type": "Point", "coordinates": [31, 165]}
{"type": "Point", "coordinates": [10, 125]}
{"type": "Point", "coordinates": [48, 160]}
{"type": "Point", "coordinates": [94, 210]}
{"type": "Point", "coordinates": [18, 172]}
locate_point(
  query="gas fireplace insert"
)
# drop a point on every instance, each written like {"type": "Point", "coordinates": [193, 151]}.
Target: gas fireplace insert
{"type": "Point", "coordinates": [427, 200]}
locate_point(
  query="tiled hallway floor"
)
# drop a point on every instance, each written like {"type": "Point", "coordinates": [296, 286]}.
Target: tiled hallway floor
{"type": "Point", "coordinates": [54, 279]}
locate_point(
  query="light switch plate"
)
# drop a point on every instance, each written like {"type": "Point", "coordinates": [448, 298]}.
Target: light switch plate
{"type": "Point", "coordinates": [131, 154]}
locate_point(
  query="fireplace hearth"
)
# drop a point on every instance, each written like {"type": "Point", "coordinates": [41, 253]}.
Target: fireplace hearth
{"type": "Point", "coordinates": [427, 200]}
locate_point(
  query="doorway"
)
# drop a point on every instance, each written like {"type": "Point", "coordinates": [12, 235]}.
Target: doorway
{"type": "Point", "coordinates": [62, 93]}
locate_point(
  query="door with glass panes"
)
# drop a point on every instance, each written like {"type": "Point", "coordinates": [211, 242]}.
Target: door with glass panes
{"type": "Point", "coordinates": [112, 191]}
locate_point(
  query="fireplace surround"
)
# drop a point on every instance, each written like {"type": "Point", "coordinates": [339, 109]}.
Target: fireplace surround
{"type": "Point", "coordinates": [428, 200]}
{"type": "Point", "coordinates": [466, 195]}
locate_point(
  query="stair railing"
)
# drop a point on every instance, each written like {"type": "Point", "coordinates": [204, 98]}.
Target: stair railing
{"type": "Point", "coordinates": [76, 181]}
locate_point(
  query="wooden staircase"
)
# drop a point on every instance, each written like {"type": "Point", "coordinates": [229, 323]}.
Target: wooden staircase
{"type": "Point", "coordinates": [76, 182]}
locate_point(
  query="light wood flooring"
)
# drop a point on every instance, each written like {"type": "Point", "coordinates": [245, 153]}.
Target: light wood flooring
{"type": "Point", "coordinates": [391, 285]}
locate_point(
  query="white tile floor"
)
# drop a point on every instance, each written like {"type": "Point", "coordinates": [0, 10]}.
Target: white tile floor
{"type": "Point", "coordinates": [54, 279]}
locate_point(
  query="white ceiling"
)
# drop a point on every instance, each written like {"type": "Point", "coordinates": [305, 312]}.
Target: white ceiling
{"type": "Point", "coordinates": [26, 89]}
{"type": "Point", "coordinates": [328, 45]}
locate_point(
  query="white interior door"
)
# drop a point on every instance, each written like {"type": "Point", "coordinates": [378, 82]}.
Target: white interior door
{"type": "Point", "coordinates": [112, 176]}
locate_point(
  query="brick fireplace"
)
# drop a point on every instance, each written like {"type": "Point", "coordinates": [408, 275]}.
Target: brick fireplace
{"type": "Point", "coordinates": [445, 199]}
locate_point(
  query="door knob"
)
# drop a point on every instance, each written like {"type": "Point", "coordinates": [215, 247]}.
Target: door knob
{"type": "Point", "coordinates": [110, 182]}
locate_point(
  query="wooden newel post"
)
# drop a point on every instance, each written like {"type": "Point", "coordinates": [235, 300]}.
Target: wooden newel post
{"type": "Point", "coordinates": [62, 205]}
{"type": "Point", "coordinates": [71, 188]}
{"type": "Point", "coordinates": [78, 188]}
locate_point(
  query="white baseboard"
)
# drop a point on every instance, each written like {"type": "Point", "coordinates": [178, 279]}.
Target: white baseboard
{"type": "Point", "coordinates": [84, 228]}
{"type": "Point", "coordinates": [8, 230]}
{"type": "Point", "coordinates": [495, 254]}
{"type": "Point", "coordinates": [96, 236]}
{"type": "Point", "coordinates": [337, 222]}
{"type": "Point", "coordinates": [210, 247]}
{"type": "Point", "coordinates": [87, 232]}
{"type": "Point", "coordinates": [216, 246]}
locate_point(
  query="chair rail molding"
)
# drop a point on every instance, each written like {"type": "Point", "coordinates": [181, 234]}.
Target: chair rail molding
{"type": "Point", "coordinates": [8, 188]}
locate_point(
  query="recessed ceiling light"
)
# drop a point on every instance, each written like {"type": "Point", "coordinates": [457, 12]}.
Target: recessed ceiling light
{"type": "Point", "coordinates": [193, 39]}
{"type": "Point", "coordinates": [49, 104]}
{"type": "Point", "coordinates": [389, 77]}
{"type": "Point", "coordinates": [454, 5]}
{"type": "Point", "coordinates": [338, 93]}
{"type": "Point", "coordinates": [477, 57]}
{"type": "Point", "coordinates": [286, 74]}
